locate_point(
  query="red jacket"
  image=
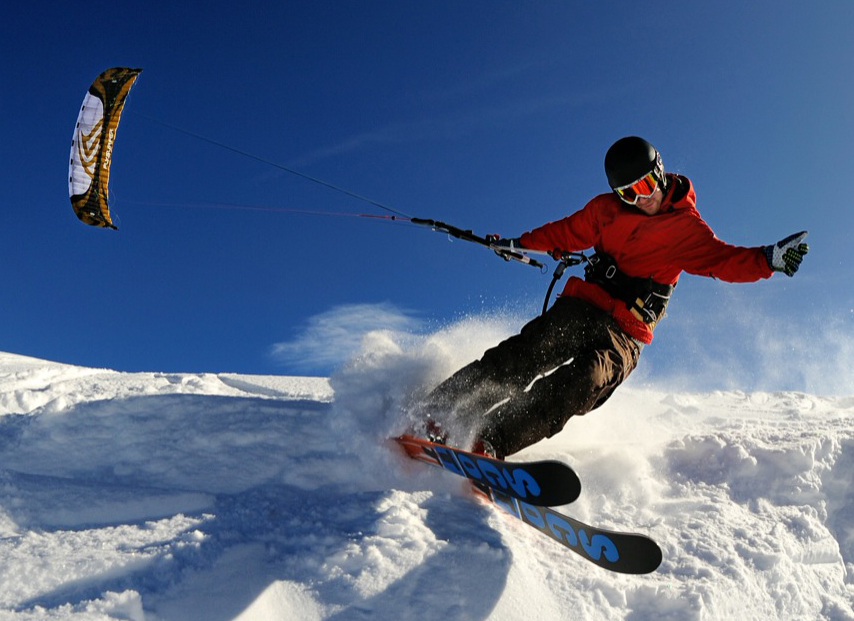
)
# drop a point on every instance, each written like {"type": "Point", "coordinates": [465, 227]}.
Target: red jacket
{"type": "Point", "coordinates": [660, 247]}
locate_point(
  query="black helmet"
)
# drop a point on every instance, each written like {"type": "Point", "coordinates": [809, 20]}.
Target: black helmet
{"type": "Point", "coordinates": [629, 159]}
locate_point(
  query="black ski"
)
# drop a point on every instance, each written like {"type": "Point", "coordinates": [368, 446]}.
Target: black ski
{"type": "Point", "coordinates": [626, 553]}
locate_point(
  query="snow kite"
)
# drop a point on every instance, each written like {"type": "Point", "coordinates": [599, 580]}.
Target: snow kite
{"type": "Point", "coordinates": [92, 145]}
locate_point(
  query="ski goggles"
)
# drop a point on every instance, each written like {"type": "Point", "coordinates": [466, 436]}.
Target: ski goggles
{"type": "Point", "coordinates": [642, 188]}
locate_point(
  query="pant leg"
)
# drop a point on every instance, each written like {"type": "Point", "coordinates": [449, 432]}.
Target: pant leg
{"type": "Point", "coordinates": [571, 390]}
{"type": "Point", "coordinates": [508, 368]}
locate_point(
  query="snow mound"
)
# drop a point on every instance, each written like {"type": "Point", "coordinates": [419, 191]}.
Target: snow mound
{"type": "Point", "coordinates": [148, 496]}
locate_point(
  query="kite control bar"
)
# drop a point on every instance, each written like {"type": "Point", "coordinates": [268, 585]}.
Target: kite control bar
{"type": "Point", "coordinates": [566, 259]}
{"type": "Point", "coordinates": [471, 237]}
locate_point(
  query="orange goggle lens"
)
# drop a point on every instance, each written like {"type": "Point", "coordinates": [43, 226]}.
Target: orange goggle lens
{"type": "Point", "coordinates": [642, 188]}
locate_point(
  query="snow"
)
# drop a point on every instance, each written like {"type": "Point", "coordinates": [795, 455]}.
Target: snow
{"type": "Point", "coordinates": [152, 496]}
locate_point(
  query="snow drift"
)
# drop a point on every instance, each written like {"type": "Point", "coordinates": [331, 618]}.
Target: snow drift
{"type": "Point", "coordinates": [150, 496]}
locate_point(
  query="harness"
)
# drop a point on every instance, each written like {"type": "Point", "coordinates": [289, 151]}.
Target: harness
{"type": "Point", "coordinates": [645, 298]}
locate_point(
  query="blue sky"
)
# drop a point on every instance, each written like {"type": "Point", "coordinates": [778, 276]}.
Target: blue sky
{"type": "Point", "coordinates": [493, 116]}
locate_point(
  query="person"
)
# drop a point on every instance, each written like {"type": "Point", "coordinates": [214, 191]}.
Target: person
{"type": "Point", "coordinates": [569, 360]}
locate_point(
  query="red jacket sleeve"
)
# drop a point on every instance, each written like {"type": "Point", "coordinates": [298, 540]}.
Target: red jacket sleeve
{"type": "Point", "coordinates": [571, 234]}
{"type": "Point", "coordinates": [697, 250]}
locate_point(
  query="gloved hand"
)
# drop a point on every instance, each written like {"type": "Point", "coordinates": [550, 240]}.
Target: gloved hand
{"type": "Point", "coordinates": [786, 255]}
{"type": "Point", "coordinates": [498, 244]}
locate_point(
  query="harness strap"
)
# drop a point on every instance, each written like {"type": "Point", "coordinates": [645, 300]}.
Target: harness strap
{"type": "Point", "coordinates": [645, 298]}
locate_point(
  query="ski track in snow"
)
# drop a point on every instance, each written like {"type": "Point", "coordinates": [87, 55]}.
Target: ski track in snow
{"type": "Point", "coordinates": [160, 497]}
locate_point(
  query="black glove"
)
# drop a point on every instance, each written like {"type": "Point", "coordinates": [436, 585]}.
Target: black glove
{"type": "Point", "coordinates": [786, 255]}
{"type": "Point", "coordinates": [502, 246]}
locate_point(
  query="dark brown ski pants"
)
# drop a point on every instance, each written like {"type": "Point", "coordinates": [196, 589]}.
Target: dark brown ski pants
{"type": "Point", "coordinates": [576, 353]}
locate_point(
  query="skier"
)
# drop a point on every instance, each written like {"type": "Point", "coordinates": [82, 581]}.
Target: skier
{"type": "Point", "coordinates": [569, 360]}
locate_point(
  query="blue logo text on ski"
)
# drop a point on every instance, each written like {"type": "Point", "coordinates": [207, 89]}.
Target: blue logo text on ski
{"type": "Point", "coordinates": [541, 483]}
